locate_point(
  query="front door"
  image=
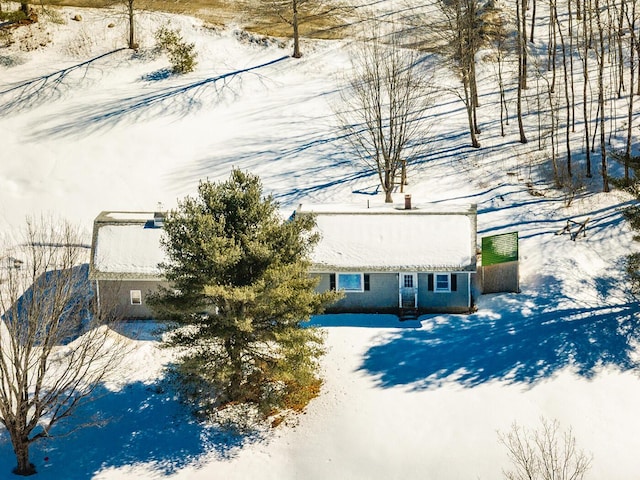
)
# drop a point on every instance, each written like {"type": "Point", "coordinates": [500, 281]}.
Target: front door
{"type": "Point", "coordinates": [408, 290]}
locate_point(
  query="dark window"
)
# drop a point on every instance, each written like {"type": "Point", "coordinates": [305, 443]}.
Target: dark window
{"type": "Point", "coordinates": [367, 282]}
{"type": "Point", "coordinates": [332, 281]}
{"type": "Point", "coordinates": [430, 282]}
{"type": "Point", "coordinates": [454, 282]}
{"type": "Point", "coordinates": [442, 282]}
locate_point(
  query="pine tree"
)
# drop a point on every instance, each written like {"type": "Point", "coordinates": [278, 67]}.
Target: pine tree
{"type": "Point", "coordinates": [243, 292]}
{"type": "Point", "coordinates": [631, 184]}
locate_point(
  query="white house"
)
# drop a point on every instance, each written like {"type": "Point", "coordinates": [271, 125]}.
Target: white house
{"type": "Point", "coordinates": [385, 258]}
{"type": "Point", "coordinates": [125, 257]}
{"type": "Point", "coordinates": [390, 258]}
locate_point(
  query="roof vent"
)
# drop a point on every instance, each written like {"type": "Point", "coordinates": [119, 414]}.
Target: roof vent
{"type": "Point", "coordinates": [407, 202]}
{"type": "Point", "coordinates": [158, 219]}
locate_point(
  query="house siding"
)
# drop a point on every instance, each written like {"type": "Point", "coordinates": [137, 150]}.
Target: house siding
{"type": "Point", "coordinates": [382, 297]}
{"type": "Point", "coordinates": [116, 294]}
{"type": "Point", "coordinates": [453, 302]}
{"type": "Point", "coordinates": [503, 277]}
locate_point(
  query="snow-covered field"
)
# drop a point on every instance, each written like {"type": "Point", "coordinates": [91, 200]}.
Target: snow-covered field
{"type": "Point", "coordinates": [420, 399]}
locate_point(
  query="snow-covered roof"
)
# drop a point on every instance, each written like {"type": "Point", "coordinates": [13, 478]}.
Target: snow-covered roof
{"type": "Point", "coordinates": [126, 245]}
{"type": "Point", "coordinates": [427, 237]}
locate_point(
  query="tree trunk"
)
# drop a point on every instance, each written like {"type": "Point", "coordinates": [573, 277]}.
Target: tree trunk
{"type": "Point", "coordinates": [619, 41]}
{"type": "Point", "coordinates": [468, 102]}
{"type": "Point", "coordinates": [132, 42]}
{"type": "Point", "coordinates": [578, 10]}
{"type": "Point", "coordinates": [566, 92]}
{"type": "Point", "coordinates": [21, 449]}
{"type": "Point", "coordinates": [635, 43]}
{"type": "Point", "coordinates": [523, 40]}
{"type": "Point", "coordinates": [585, 89]}
{"type": "Point", "coordinates": [503, 106]}
{"type": "Point", "coordinates": [571, 71]}
{"type": "Point", "coordinates": [553, 135]}
{"type": "Point", "coordinates": [552, 44]}
{"type": "Point", "coordinates": [523, 137]}
{"type": "Point", "coordinates": [533, 21]}
{"type": "Point", "coordinates": [627, 152]}
{"type": "Point", "coordinates": [601, 105]}
{"type": "Point", "coordinates": [235, 379]}
{"type": "Point", "coordinates": [387, 185]}
{"type": "Point", "coordinates": [475, 102]}
{"type": "Point", "coordinates": [387, 196]}
{"type": "Point", "coordinates": [403, 175]}
{"type": "Point", "coordinates": [296, 33]}
{"type": "Point", "coordinates": [521, 71]}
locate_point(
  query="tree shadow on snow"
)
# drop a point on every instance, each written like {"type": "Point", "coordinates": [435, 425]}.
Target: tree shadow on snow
{"type": "Point", "coordinates": [178, 100]}
{"type": "Point", "coordinates": [145, 425]}
{"type": "Point", "coordinates": [158, 75]}
{"type": "Point", "coordinates": [530, 339]}
{"type": "Point", "coordinates": [48, 87]}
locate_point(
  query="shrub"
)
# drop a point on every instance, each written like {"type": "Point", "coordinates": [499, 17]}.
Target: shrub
{"type": "Point", "coordinates": [12, 16]}
{"type": "Point", "coordinates": [182, 55]}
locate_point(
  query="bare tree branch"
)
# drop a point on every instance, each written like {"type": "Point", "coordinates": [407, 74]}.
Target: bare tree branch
{"type": "Point", "coordinates": [55, 348]}
{"type": "Point", "coordinates": [383, 108]}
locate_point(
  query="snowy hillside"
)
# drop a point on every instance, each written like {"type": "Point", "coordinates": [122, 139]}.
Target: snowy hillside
{"type": "Point", "coordinates": [87, 126]}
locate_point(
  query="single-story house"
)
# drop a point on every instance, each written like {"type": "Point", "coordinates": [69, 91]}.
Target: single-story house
{"type": "Point", "coordinates": [390, 258]}
{"type": "Point", "coordinates": [125, 258]}
{"type": "Point", "coordinates": [385, 258]}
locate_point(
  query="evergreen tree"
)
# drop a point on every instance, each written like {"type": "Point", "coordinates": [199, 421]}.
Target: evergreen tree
{"type": "Point", "coordinates": [242, 289]}
{"type": "Point", "coordinates": [631, 184]}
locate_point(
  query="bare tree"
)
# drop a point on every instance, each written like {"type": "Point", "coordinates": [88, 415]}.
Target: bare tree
{"type": "Point", "coordinates": [631, 22]}
{"type": "Point", "coordinates": [126, 12]}
{"type": "Point", "coordinates": [500, 45]}
{"type": "Point", "coordinates": [54, 347]}
{"type": "Point", "coordinates": [521, 46]}
{"type": "Point", "coordinates": [461, 31]}
{"type": "Point", "coordinates": [544, 454]}
{"type": "Point", "coordinates": [383, 108]}
{"type": "Point", "coordinates": [586, 101]}
{"type": "Point", "coordinates": [600, 55]}
{"type": "Point", "coordinates": [635, 43]}
{"type": "Point", "coordinates": [295, 13]}
{"type": "Point", "coordinates": [566, 76]}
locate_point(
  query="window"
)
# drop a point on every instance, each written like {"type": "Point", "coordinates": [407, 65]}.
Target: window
{"type": "Point", "coordinates": [350, 282]}
{"type": "Point", "coordinates": [442, 282]}
{"type": "Point", "coordinates": [136, 297]}
{"type": "Point", "coordinates": [407, 281]}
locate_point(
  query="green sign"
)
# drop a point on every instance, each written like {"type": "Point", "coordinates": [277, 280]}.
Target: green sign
{"type": "Point", "coordinates": [500, 248]}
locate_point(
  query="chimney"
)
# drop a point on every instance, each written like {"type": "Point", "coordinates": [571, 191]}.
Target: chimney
{"type": "Point", "coordinates": [407, 202]}
{"type": "Point", "coordinates": [158, 219]}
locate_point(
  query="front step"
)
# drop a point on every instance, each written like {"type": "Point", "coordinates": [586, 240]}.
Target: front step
{"type": "Point", "coordinates": [408, 314]}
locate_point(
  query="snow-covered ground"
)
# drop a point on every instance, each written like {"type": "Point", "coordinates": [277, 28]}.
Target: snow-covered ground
{"type": "Point", "coordinates": [421, 399]}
